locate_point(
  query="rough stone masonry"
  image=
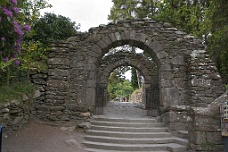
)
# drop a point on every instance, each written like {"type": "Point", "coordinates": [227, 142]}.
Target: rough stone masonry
{"type": "Point", "coordinates": [186, 80]}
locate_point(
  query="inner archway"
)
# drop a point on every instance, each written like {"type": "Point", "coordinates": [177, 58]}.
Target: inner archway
{"type": "Point", "coordinates": [147, 67]}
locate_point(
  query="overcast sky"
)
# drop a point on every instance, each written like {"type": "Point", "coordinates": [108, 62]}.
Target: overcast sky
{"type": "Point", "coordinates": [89, 13]}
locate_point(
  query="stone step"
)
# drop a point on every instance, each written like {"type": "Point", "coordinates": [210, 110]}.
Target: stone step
{"type": "Point", "coordinates": [136, 147]}
{"type": "Point", "coordinates": [129, 129]}
{"type": "Point", "coordinates": [183, 134]}
{"type": "Point", "coordinates": [99, 150]}
{"type": "Point", "coordinates": [137, 135]}
{"type": "Point", "coordinates": [129, 134]}
{"type": "Point", "coordinates": [126, 124]}
{"type": "Point", "coordinates": [135, 120]}
{"type": "Point", "coordinates": [181, 141]}
{"type": "Point", "coordinates": [129, 140]}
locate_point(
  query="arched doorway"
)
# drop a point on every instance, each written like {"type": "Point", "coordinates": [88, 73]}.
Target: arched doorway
{"type": "Point", "coordinates": [144, 64]}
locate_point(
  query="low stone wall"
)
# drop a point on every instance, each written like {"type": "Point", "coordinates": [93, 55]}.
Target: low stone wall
{"type": "Point", "coordinates": [136, 96]}
{"type": "Point", "coordinates": [55, 109]}
{"type": "Point", "coordinates": [15, 113]}
{"type": "Point", "coordinates": [204, 129]}
{"type": "Point", "coordinates": [176, 119]}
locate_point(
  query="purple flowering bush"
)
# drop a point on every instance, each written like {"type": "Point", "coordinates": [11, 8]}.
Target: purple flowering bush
{"type": "Point", "coordinates": [11, 33]}
{"type": "Point", "coordinates": [11, 37]}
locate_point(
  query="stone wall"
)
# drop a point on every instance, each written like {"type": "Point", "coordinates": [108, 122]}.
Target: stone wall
{"type": "Point", "coordinates": [205, 127]}
{"type": "Point", "coordinates": [137, 96]}
{"type": "Point", "coordinates": [186, 77]}
{"type": "Point", "coordinates": [15, 113]}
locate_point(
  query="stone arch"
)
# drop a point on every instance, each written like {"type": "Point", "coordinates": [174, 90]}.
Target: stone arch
{"type": "Point", "coordinates": [108, 64]}
{"type": "Point", "coordinates": [147, 68]}
{"type": "Point", "coordinates": [187, 76]}
{"type": "Point", "coordinates": [144, 42]}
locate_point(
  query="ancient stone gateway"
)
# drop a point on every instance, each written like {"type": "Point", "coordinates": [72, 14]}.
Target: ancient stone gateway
{"type": "Point", "coordinates": [183, 76]}
{"type": "Point", "coordinates": [147, 67]}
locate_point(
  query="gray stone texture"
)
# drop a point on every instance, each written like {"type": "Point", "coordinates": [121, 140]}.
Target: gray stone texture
{"type": "Point", "coordinates": [181, 68]}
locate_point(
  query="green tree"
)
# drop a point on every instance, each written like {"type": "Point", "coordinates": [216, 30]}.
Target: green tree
{"type": "Point", "coordinates": [51, 27]}
{"type": "Point", "coordinates": [218, 42]}
{"type": "Point", "coordinates": [205, 19]}
{"type": "Point", "coordinates": [118, 86]}
{"type": "Point", "coordinates": [134, 80]}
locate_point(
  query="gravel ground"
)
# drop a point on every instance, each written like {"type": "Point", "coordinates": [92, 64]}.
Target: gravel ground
{"type": "Point", "coordinates": [124, 110]}
{"type": "Point", "coordinates": [39, 136]}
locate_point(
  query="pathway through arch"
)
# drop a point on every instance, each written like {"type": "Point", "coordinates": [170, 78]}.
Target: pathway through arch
{"type": "Point", "coordinates": [124, 110]}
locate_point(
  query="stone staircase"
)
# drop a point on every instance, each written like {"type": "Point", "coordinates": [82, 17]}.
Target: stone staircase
{"type": "Point", "coordinates": [125, 135]}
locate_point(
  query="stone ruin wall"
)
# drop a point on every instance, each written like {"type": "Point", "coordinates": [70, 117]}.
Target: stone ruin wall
{"type": "Point", "coordinates": [188, 79]}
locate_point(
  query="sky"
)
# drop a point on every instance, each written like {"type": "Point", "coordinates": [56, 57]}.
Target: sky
{"type": "Point", "coordinates": [89, 13]}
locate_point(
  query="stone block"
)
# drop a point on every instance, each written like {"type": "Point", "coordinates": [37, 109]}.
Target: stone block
{"type": "Point", "coordinates": [58, 72]}
{"type": "Point", "coordinates": [155, 46]}
{"type": "Point", "coordinates": [85, 114]}
{"type": "Point", "coordinates": [118, 36]}
{"type": "Point", "coordinates": [170, 96]}
{"type": "Point", "coordinates": [126, 35]}
{"type": "Point", "coordinates": [102, 45]}
{"type": "Point", "coordinates": [57, 108]}
{"type": "Point", "coordinates": [178, 60]}
{"type": "Point", "coordinates": [208, 147]}
{"type": "Point", "coordinates": [25, 97]}
{"type": "Point", "coordinates": [43, 108]}
{"type": "Point", "coordinates": [107, 40]}
{"type": "Point", "coordinates": [112, 37]}
{"type": "Point", "coordinates": [132, 35]}
{"type": "Point", "coordinates": [39, 81]}
{"type": "Point", "coordinates": [63, 85]}
{"type": "Point", "coordinates": [162, 54]}
{"type": "Point", "coordinates": [59, 61]}
{"type": "Point", "coordinates": [36, 94]}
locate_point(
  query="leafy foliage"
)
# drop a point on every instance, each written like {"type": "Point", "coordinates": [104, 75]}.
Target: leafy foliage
{"type": "Point", "coordinates": [118, 86]}
{"type": "Point", "coordinates": [15, 90]}
{"type": "Point", "coordinates": [22, 30]}
{"type": "Point", "coordinates": [205, 19]}
{"type": "Point", "coordinates": [52, 27]}
{"type": "Point", "coordinates": [134, 80]}
{"type": "Point", "coordinates": [218, 42]}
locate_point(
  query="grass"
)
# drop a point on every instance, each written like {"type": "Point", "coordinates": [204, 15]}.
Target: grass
{"type": "Point", "coordinates": [15, 91]}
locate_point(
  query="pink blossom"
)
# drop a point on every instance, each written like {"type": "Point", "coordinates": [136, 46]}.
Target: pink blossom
{"type": "Point", "coordinates": [15, 9]}
{"type": "Point", "coordinates": [6, 59]}
{"type": "Point", "coordinates": [19, 32]}
{"type": "Point", "coordinates": [7, 12]}
{"type": "Point", "coordinates": [27, 27]}
{"type": "Point", "coordinates": [14, 2]}
{"type": "Point", "coordinates": [3, 38]}
{"type": "Point", "coordinates": [18, 48]}
{"type": "Point", "coordinates": [17, 62]}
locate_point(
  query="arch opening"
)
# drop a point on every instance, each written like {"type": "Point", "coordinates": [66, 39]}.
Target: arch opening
{"type": "Point", "coordinates": [140, 61]}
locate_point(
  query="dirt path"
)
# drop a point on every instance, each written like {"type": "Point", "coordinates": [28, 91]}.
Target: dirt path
{"type": "Point", "coordinates": [39, 136]}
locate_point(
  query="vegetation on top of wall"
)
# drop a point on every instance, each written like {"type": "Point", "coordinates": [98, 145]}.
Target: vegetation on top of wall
{"type": "Point", "coordinates": [15, 90]}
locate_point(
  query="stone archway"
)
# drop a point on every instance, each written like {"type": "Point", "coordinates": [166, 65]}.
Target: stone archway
{"type": "Point", "coordinates": [148, 69]}
{"type": "Point", "coordinates": [187, 77]}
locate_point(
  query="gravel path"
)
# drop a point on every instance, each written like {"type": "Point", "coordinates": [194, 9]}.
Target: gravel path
{"type": "Point", "coordinates": [124, 110]}
{"type": "Point", "coordinates": [39, 136]}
